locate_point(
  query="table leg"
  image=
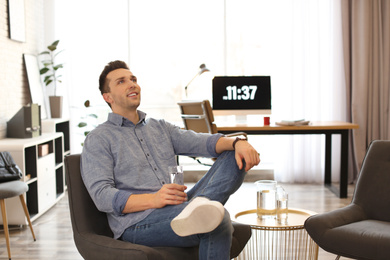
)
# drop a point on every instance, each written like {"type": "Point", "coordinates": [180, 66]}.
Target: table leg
{"type": "Point", "coordinates": [344, 165]}
{"type": "Point", "coordinates": [328, 159]}
{"type": "Point", "coordinates": [342, 192]}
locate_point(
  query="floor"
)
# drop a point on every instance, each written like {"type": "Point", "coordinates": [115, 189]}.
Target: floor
{"type": "Point", "coordinates": [54, 233]}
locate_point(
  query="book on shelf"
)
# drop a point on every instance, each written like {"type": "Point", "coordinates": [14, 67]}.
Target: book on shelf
{"type": "Point", "coordinates": [293, 122]}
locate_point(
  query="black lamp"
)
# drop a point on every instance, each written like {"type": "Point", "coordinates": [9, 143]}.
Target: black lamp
{"type": "Point", "coordinates": [202, 68]}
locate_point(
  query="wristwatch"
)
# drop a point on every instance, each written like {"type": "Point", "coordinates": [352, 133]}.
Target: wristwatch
{"type": "Point", "coordinates": [238, 139]}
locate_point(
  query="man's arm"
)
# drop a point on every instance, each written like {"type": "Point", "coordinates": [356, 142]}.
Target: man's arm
{"type": "Point", "coordinates": [169, 194]}
{"type": "Point", "coordinates": [244, 151]}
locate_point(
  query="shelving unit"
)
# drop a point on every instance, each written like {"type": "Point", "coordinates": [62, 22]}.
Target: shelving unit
{"type": "Point", "coordinates": [44, 174]}
{"type": "Point", "coordinates": [58, 125]}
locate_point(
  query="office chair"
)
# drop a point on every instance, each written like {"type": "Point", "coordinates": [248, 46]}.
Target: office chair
{"type": "Point", "coordinates": [93, 236]}
{"type": "Point", "coordinates": [360, 230]}
{"type": "Point", "coordinates": [198, 116]}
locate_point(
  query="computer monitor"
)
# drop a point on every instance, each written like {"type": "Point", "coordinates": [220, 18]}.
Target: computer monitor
{"type": "Point", "coordinates": [241, 95]}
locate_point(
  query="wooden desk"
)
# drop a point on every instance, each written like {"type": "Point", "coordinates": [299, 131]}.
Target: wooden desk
{"type": "Point", "coordinates": [327, 128]}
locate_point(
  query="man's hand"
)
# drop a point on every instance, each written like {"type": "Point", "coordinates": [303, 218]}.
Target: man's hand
{"type": "Point", "coordinates": [245, 151]}
{"type": "Point", "coordinates": [170, 194]}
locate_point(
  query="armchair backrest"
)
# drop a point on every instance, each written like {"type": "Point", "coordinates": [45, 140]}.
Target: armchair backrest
{"type": "Point", "coordinates": [372, 191]}
{"type": "Point", "coordinates": [85, 217]}
{"type": "Point", "coordinates": [198, 116]}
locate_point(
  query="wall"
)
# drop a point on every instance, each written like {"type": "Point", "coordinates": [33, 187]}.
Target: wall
{"type": "Point", "coordinates": [14, 89]}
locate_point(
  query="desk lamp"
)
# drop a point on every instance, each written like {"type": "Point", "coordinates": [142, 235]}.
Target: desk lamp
{"type": "Point", "coordinates": [202, 68]}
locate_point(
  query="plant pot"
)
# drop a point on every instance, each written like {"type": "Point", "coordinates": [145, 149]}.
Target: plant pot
{"type": "Point", "coordinates": [55, 106]}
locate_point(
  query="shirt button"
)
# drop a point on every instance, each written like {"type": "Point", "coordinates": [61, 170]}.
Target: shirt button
{"type": "Point", "coordinates": [155, 169]}
{"type": "Point", "coordinates": [163, 182]}
{"type": "Point", "coordinates": [147, 154]}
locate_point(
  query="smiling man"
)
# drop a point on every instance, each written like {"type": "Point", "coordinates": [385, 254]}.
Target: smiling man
{"type": "Point", "coordinates": [124, 166]}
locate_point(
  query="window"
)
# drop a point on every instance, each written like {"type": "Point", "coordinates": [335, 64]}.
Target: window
{"type": "Point", "coordinates": [297, 43]}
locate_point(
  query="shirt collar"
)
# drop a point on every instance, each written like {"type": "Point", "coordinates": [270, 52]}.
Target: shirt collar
{"type": "Point", "coordinates": [122, 121]}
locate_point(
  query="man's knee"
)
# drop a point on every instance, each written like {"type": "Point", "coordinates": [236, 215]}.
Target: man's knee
{"type": "Point", "coordinates": [226, 224]}
{"type": "Point", "coordinates": [229, 157]}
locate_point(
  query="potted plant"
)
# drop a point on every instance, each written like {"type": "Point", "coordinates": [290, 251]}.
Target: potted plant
{"type": "Point", "coordinates": [89, 121]}
{"type": "Point", "coordinates": [51, 71]}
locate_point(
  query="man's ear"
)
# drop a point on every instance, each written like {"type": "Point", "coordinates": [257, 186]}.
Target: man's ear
{"type": "Point", "coordinates": [107, 97]}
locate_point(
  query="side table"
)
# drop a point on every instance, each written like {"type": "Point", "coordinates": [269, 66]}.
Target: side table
{"type": "Point", "coordinates": [273, 241]}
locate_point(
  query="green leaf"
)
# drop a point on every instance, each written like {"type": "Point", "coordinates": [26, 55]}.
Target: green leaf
{"type": "Point", "coordinates": [44, 52]}
{"type": "Point", "coordinates": [86, 133]}
{"type": "Point", "coordinates": [48, 82]}
{"type": "Point", "coordinates": [58, 66]}
{"type": "Point", "coordinates": [82, 124]}
{"type": "Point", "coordinates": [93, 115]}
{"type": "Point", "coordinates": [58, 53]}
{"type": "Point", "coordinates": [53, 46]}
{"type": "Point", "coordinates": [43, 70]}
{"type": "Point", "coordinates": [86, 103]}
{"type": "Point", "coordinates": [47, 78]}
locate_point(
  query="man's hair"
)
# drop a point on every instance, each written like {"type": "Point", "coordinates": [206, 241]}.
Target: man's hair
{"type": "Point", "coordinates": [113, 65]}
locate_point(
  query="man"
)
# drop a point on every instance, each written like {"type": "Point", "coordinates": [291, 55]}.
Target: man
{"type": "Point", "coordinates": [125, 169]}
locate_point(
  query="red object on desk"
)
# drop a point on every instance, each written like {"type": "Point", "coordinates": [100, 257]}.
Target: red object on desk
{"type": "Point", "coordinates": [266, 120]}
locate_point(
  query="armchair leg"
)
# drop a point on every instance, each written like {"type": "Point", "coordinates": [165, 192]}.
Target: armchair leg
{"type": "Point", "coordinates": [337, 257]}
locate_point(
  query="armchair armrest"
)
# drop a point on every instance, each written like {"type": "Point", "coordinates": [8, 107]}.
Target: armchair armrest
{"type": "Point", "coordinates": [237, 134]}
{"type": "Point", "coordinates": [317, 225]}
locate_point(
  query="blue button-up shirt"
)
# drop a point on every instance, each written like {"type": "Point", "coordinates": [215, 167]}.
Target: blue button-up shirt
{"type": "Point", "coordinates": [120, 159]}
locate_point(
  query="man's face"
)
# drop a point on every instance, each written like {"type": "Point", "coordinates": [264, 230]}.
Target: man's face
{"type": "Point", "coordinates": [125, 93]}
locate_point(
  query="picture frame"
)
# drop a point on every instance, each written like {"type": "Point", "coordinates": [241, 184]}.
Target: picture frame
{"type": "Point", "coordinates": [37, 92]}
{"type": "Point", "coordinates": [16, 20]}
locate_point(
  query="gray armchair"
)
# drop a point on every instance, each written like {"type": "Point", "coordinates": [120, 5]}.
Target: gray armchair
{"type": "Point", "coordinates": [360, 230]}
{"type": "Point", "coordinates": [93, 236]}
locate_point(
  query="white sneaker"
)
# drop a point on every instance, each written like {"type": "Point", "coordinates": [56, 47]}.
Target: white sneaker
{"type": "Point", "coordinates": [201, 215]}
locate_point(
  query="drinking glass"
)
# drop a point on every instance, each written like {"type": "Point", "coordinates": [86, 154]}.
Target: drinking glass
{"type": "Point", "coordinates": [281, 205]}
{"type": "Point", "coordinates": [266, 200]}
{"type": "Point", "coordinates": [176, 174]}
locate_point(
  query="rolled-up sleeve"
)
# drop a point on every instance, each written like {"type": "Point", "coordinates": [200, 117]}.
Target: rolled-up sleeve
{"type": "Point", "coordinates": [212, 143]}
{"type": "Point", "coordinates": [119, 201]}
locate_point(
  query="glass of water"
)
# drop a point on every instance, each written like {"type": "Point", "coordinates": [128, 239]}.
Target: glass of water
{"type": "Point", "coordinates": [266, 199]}
{"type": "Point", "coordinates": [176, 174]}
{"type": "Point", "coordinates": [281, 205]}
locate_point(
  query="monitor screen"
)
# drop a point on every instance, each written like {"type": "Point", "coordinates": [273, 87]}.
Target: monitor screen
{"type": "Point", "coordinates": [242, 95]}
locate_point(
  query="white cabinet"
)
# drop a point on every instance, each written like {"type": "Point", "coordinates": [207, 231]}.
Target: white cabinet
{"type": "Point", "coordinates": [42, 171]}
{"type": "Point", "coordinates": [46, 182]}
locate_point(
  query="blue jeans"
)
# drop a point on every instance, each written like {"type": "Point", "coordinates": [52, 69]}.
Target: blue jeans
{"type": "Point", "coordinates": [222, 180]}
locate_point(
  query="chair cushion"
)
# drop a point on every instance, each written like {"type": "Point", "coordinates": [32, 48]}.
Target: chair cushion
{"type": "Point", "coordinates": [12, 188]}
{"type": "Point", "coordinates": [367, 239]}
{"type": "Point", "coordinates": [242, 233]}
